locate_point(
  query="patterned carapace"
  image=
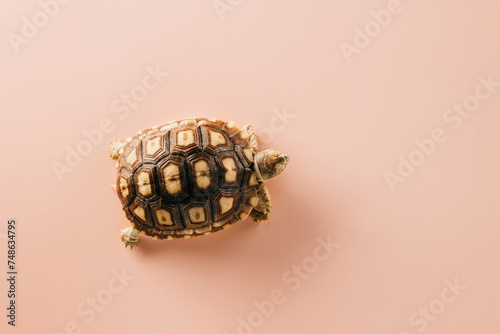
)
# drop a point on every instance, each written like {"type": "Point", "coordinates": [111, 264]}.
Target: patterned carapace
{"type": "Point", "coordinates": [187, 178]}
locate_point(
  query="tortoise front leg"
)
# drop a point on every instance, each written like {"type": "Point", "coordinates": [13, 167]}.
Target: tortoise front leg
{"type": "Point", "coordinates": [262, 210]}
{"type": "Point", "coordinates": [252, 140]}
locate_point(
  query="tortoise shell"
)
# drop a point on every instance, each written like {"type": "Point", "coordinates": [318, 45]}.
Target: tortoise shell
{"type": "Point", "coordinates": [187, 178]}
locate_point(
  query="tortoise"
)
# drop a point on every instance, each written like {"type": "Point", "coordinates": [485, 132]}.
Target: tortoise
{"type": "Point", "coordinates": [192, 177]}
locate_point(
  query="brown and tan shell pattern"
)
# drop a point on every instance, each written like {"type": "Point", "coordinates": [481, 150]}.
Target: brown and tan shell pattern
{"type": "Point", "coordinates": [187, 178]}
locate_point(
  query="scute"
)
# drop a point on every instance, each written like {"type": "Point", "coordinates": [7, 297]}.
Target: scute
{"type": "Point", "coordinates": [140, 211]}
{"type": "Point", "coordinates": [245, 206]}
{"type": "Point", "coordinates": [185, 140]}
{"type": "Point", "coordinates": [230, 170]}
{"type": "Point", "coordinates": [215, 140]}
{"type": "Point", "coordinates": [166, 216]}
{"type": "Point", "coordinates": [186, 178]}
{"type": "Point", "coordinates": [132, 155]}
{"type": "Point", "coordinates": [125, 186]}
{"type": "Point", "coordinates": [197, 214]}
{"type": "Point", "coordinates": [155, 147]}
{"type": "Point", "coordinates": [145, 184]}
{"type": "Point", "coordinates": [173, 179]}
{"type": "Point", "coordinates": [202, 172]}
{"type": "Point", "coordinates": [224, 202]}
{"type": "Point", "coordinates": [245, 154]}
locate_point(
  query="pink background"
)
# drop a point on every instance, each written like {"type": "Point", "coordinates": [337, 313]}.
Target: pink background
{"type": "Point", "coordinates": [353, 118]}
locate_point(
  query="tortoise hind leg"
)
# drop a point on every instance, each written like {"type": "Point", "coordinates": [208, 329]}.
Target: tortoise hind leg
{"type": "Point", "coordinates": [114, 149]}
{"type": "Point", "coordinates": [130, 236]}
{"type": "Point", "coordinates": [262, 210]}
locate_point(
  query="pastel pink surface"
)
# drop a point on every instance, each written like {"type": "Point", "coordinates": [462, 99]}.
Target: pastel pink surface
{"type": "Point", "coordinates": [350, 119]}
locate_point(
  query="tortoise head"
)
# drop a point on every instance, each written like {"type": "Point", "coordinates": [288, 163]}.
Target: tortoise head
{"type": "Point", "coordinates": [270, 163]}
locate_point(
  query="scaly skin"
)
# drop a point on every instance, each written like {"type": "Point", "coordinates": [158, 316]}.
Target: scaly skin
{"type": "Point", "coordinates": [262, 210]}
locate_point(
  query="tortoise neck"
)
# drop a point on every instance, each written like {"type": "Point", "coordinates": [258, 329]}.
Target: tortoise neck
{"type": "Point", "coordinates": [258, 175]}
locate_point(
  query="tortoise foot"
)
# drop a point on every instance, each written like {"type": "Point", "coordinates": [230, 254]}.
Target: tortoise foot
{"type": "Point", "coordinates": [130, 237]}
